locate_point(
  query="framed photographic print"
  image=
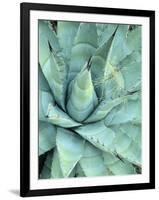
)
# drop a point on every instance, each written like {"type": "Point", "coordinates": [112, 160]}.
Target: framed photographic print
{"type": "Point", "coordinates": [87, 99]}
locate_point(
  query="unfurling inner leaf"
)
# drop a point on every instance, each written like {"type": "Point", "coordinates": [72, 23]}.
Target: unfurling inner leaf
{"type": "Point", "coordinates": [82, 100]}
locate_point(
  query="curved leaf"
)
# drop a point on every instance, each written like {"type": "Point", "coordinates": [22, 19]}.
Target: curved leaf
{"type": "Point", "coordinates": [127, 148]}
{"type": "Point", "coordinates": [70, 148]}
{"type": "Point", "coordinates": [43, 84]}
{"type": "Point", "coordinates": [132, 130]}
{"type": "Point", "coordinates": [79, 171]}
{"type": "Point", "coordinates": [117, 166]}
{"type": "Point", "coordinates": [99, 64]}
{"type": "Point", "coordinates": [105, 31]}
{"type": "Point", "coordinates": [57, 117]}
{"type": "Point", "coordinates": [129, 111]}
{"type": "Point", "coordinates": [66, 32]}
{"type": "Point", "coordinates": [97, 134]}
{"type": "Point", "coordinates": [83, 48]}
{"type": "Point", "coordinates": [46, 34]}
{"type": "Point", "coordinates": [82, 99]}
{"type": "Point", "coordinates": [56, 171]}
{"type": "Point", "coordinates": [134, 38]}
{"type": "Point", "coordinates": [133, 154]}
{"type": "Point", "coordinates": [120, 48]}
{"type": "Point", "coordinates": [47, 137]}
{"type": "Point", "coordinates": [55, 72]}
{"type": "Point", "coordinates": [92, 161]}
{"type": "Point", "coordinates": [130, 67]}
{"type": "Point", "coordinates": [45, 98]}
{"type": "Point", "coordinates": [104, 108]}
{"type": "Point", "coordinates": [46, 170]}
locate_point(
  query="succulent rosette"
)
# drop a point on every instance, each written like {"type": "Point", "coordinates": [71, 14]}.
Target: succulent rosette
{"type": "Point", "coordinates": [89, 99]}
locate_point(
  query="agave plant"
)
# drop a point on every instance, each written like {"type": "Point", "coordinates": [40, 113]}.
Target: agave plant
{"type": "Point", "coordinates": [89, 99]}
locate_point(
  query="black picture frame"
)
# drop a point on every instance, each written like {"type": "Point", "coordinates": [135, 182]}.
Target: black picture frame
{"type": "Point", "coordinates": [25, 9]}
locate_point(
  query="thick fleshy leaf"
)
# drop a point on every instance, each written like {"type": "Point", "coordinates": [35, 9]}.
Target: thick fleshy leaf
{"type": "Point", "coordinates": [55, 71]}
{"type": "Point", "coordinates": [133, 131]}
{"type": "Point", "coordinates": [47, 137]}
{"type": "Point", "coordinates": [79, 171]}
{"type": "Point", "coordinates": [121, 64]}
{"type": "Point", "coordinates": [45, 98]}
{"type": "Point", "coordinates": [82, 99]}
{"type": "Point", "coordinates": [70, 148]}
{"type": "Point", "coordinates": [118, 166]}
{"type": "Point", "coordinates": [92, 161]}
{"type": "Point", "coordinates": [130, 67]}
{"type": "Point", "coordinates": [134, 38]}
{"type": "Point", "coordinates": [46, 170]}
{"type": "Point", "coordinates": [56, 171]}
{"type": "Point", "coordinates": [119, 49]}
{"type": "Point", "coordinates": [97, 134]}
{"type": "Point", "coordinates": [114, 80]}
{"type": "Point", "coordinates": [129, 111]}
{"type": "Point", "coordinates": [105, 31]}
{"type": "Point", "coordinates": [127, 148]}
{"type": "Point", "coordinates": [99, 64]}
{"type": "Point", "coordinates": [83, 48]}
{"type": "Point", "coordinates": [43, 84]}
{"type": "Point", "coordinates": [46, 34]}
{"type": "Point", "coordinates": [104, 108]}
{"type": "Point", "coordinates": [66, 32]}
{"type": "Point", "coordinates": [133, 154]}
{"type": "Point", "coordinates": [58, 117]}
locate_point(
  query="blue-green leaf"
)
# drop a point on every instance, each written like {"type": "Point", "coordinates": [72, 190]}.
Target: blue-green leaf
{"type": "Point", "coordinates": [119, 49]}
{"type": "Point", "coordinates": [46, 170]}
{"type": "Point", "coordinates": [99, 65]}
{"type": "Point", "coordinates": [66, 32]}
{"type": "Point", "coordinates": [97, 134]}
{"type": "Point", "coordinates": [92, 161]}
{"type": "Point", "coordinates": [43, 84]}
{"type": "Point", "coordinates": [56, 171]}
{"type": "Point", "coordinates": [117, 166]}
{"type": "Point", "coordinates": [46, 34]}
{"type": "Point", "coordinates": [129, 111]}
{"type": "Point", "coordinates": [83, 48]}
{"type": "Point", "coordinates": [47, 137]}
{"type": "Point", "coordinates": [128, 142]}
{"type": "Point", "coordinates": [82, 99]}
{"type": "Point", "coordinates": [55, 71]}
{"type": "Point", "coordinates": [134, 38]}
{"type": "Point", "coordinates": [70, 149]}
{"type": "Point", "coordinates": [104, 108]}
{"type": "Point", "coordinates": [58, 117]}
{"type": "Point", "coordinates": [79, 171]}
{"type": "Point", "coordinates": [130, 67]}
{"type": "Point", "coordinates": [45, 98]}
{"type": "Point", "coordinates": [105, 31]}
